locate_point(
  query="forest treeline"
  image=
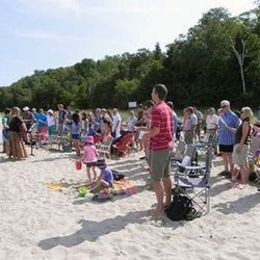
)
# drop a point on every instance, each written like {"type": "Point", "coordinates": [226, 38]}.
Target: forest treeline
{"type": "Point", "coordinates": [199, 68]}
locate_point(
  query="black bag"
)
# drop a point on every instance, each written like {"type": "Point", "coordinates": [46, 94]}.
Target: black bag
{"type": "Point", "coordinates": [179, 208]}
{"type": "Point", "coordinates": [117, 176]}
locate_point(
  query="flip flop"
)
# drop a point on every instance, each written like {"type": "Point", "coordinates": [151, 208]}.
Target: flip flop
{"type": "Point", "coordinates": [241, 186]}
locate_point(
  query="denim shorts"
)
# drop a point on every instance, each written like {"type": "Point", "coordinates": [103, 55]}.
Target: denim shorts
{"type": "Point", "coordinates": [75, 136]}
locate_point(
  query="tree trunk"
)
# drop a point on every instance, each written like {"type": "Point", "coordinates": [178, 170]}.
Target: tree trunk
{"type": "Point", "coordinates": [243, 79]}
{"type": "Point", "coordinates": [240, 59]}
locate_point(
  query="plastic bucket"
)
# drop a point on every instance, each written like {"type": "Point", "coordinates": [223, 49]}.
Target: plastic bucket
{"type": "Point", "coordinates": [78, 165]}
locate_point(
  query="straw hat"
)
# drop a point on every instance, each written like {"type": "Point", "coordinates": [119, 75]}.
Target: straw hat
{"type": "Point", "coordinates": [50, 111]}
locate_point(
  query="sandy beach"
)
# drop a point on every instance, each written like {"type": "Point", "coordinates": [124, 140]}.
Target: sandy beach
{"type": "Point", "coordinates": [40, 223]}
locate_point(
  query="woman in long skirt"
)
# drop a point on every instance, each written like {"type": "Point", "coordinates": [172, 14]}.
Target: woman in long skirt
{"type": "Point", "coordinates": [17, 129]}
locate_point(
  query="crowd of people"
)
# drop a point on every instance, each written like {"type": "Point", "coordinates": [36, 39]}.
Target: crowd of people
{"type": "Point", "coordinates": [156, 127]}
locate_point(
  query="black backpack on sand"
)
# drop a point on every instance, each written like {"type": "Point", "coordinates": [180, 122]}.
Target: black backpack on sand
{"type": "Point", "coordinates": [179, 208]}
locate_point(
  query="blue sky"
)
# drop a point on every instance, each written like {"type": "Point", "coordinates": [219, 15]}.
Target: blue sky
{"type": "Point", "coordinates": [42, 34]}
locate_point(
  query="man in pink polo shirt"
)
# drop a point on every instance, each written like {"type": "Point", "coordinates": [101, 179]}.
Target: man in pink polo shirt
{"type": "Point", "coordinates": [161, 144]}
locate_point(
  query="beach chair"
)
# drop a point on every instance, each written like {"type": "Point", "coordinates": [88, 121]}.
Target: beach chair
{"type": "Point", "coordinates": [62, 142]}
{"type": "Point", "coordinates": [190, 152]}
{"type": "Point", "coordinates": [201, 146]}
{"type": "Point", "coordinates": [197, 180]}
{"type": "Point", "coordinates": [123, 146]}
{"type": "Point", "coordinates": [97, 138]}
{"type": "Point", "coordinates": [104, 149]}
{"type": "Point", "coordinates": [179, 152]}
{"type": "Point", "coordinates": [54, 140]}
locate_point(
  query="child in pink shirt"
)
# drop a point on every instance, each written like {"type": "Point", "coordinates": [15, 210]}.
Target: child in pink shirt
{"type": "Point", "coordinates": [90, 158]}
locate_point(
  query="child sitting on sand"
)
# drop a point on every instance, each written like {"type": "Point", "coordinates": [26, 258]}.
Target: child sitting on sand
{"type": "Point", "coordinates": [90, 158]}
{"type": "Point", "coordinates": [105, 180]}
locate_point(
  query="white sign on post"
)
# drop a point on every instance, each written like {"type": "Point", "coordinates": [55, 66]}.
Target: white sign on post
{"type": "Point", "coordinates": [132, 104]}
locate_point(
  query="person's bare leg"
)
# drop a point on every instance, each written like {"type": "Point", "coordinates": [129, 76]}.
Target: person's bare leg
{"type": "Point", "coordinates": [96, 187]}
{"type": "Point", "coordinates": [167, 184]}
{"type": "Point", "coordinates": [244, 174]}
{"type": "Point", "coordinates": [89, 175]}
{"type": "Point", "coordinates": [225, 159]}
{"type": "Point", "coordinates": [95, 173]}
{"type": "Point", "coordinates": [158, 189]}
{"type": "Point", "coordinates": [230, 162]}
{"type": "Point", "coordinates": [77, 148]}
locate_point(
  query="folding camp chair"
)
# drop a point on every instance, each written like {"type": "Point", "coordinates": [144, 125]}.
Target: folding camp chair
{"type": "Point", "coordinates": [190, 152]}
{"type": "Point", "coordinates": [178, 154]}
{"type": "Point", "coordinates": [201, 146]}
{"type": "Point", "coordinates": [124, 145]}
{"type": "Point", "coordinates": [196, 178]}
{"type": "Point", "coordinates": [54, 140]}
{"type": "Point", "coordinates": [104, 149]}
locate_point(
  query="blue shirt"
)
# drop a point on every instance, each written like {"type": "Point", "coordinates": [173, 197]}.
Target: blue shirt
{"type": "Point", "coordinates": [75, 128]}
{"type": "Point", "coordinates": [175, 122]}
{"type": "Point", "coordinates": [230, 119]}
{"type": "Point", "coordinates": [42, 120]}
{"type": "Point", "coordinates": [35, 116]}
{"type": "Point", "coordinates": [107, 175]}
{"type": "Point", "coordinates": [97, 123]}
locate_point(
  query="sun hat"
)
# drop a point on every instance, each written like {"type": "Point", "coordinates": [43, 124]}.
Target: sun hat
{"type": "Point", "coordinates": [50, 111]}
{"type": "Point", "coordinates": [89, 140]}
{"type": "Point", "coordinates": [211, 109]}
{"type": "Point", "coordinates": [101, 163]}
{"type": "Point", "coordinates": [26, 109]}
{"type": "Point", "coordinates": [224, 103]}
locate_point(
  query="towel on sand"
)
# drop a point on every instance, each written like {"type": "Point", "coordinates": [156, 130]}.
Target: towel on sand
{"type": "Point", "coordinates": [121, 187]}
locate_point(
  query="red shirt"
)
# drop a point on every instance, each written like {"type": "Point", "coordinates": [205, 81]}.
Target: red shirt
{"type": "Point", "coordinates": [162, 119]}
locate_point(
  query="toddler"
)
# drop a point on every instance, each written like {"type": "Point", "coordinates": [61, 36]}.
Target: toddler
{"type": "Point", "coordinates": [90, 158]}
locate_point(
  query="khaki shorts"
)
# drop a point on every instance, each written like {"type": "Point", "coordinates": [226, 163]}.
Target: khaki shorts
{"type": "Point", "coordinates": [160, 164]}
{"type": "Point", "coordinates": [242, 157]}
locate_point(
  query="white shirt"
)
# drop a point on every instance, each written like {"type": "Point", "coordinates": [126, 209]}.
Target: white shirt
{"type": "Point", "coordinates": [51, 120]}
{"type": "Point", "coordinates": [212, 121]}
{"type": "Point", "coordinates": [194, 119]}
{"type": "Point", "coordinates": [116, 125]}
{"type": "Point", "coordinates": [131, 123]}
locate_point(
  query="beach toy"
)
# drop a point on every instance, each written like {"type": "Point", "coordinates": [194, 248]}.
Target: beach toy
{"type": "Point", "coordinates": [55, 186]}
{"type": "Point", "coordinates": [83, 191]}
{"type": "Point", "coordinates": [78, 165]}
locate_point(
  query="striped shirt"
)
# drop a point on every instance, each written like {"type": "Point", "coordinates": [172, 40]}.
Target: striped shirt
{"type": "Point", "coordinates": [162, 119]}
{"type": "Point", "coordinates": [228, 119]}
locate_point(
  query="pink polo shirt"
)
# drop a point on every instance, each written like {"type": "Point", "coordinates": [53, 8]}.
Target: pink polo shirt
{"type": "Point", "coordinates": [90, 154]}
{"type": "Point", "coordinates": [162, 119]}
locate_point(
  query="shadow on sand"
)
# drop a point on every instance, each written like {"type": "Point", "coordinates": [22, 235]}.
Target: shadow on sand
{"type": "Point", "coordinates": [239, 206]}
{"type": "Point", "coordinates": [92, 230]}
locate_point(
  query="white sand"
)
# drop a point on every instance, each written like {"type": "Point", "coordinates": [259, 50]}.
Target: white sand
{"type": "Point", "coordinates": [39, 223]}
